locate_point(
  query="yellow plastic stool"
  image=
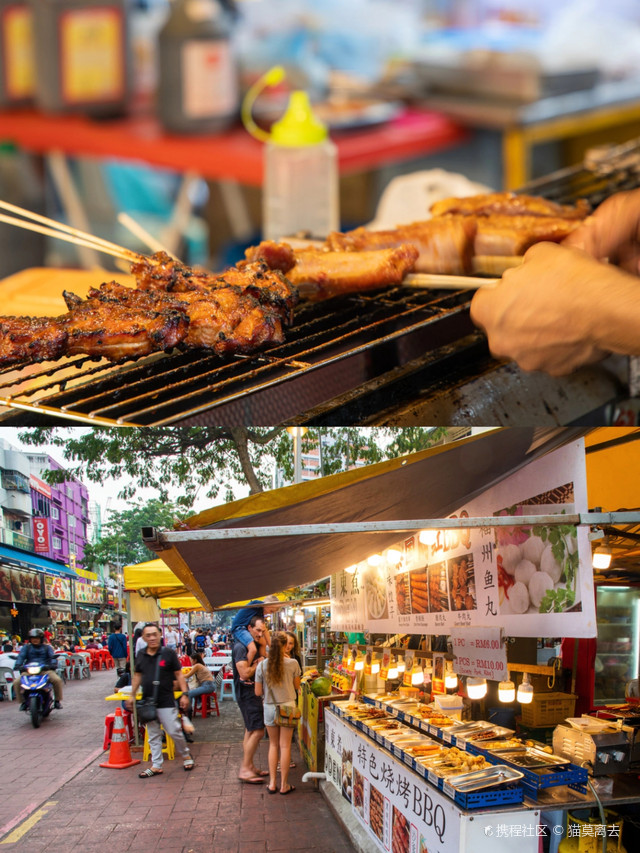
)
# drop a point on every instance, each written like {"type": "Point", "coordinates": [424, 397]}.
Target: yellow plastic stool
{"type": "Point", "coordinates": [587, 840]}
{"type": "Point", "coordinates": [169, 747]}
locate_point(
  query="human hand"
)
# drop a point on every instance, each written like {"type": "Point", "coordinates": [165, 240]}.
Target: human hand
{"type": "Point", "coordinates": [543, 313]}
{"type": "Point", "coordinates": [612, 232]}
{"type": "Point", "coordinates": [184, 701]}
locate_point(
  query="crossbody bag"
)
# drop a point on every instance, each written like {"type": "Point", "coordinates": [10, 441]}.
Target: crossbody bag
{"type": "Point", "coordinates": [147, 709]}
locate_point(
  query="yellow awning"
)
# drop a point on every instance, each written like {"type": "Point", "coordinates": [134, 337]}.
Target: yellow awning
{"type": "Point", "coordinates": [158, 581]}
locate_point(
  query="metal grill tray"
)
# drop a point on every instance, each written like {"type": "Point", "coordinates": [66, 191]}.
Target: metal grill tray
{"type": "Point", "coordinates": [489, 777]}
{"type": "Point", "coordinates": [528, 757]}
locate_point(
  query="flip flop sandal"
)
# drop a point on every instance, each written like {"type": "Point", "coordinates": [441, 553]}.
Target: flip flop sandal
{"type": "Point", "coordinates": [290, 789]}
{"type": "Point", "coordinates": [189, 764]}
{"type": "Point", "coordinates": [272, 790]}
{"type": "Point", "coordinates": [149, 772]}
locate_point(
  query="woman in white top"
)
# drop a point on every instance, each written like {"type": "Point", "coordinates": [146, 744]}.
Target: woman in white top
{"type": "Point", "coordinates": [277, 680]}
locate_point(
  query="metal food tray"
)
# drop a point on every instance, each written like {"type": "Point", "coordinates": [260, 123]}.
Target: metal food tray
{"type": "Point", "coordinates": [472, 734]}
{"type": "Point", "coordinates": [489, 777]}
{"type": "Point", "coordinates": [529, 757]}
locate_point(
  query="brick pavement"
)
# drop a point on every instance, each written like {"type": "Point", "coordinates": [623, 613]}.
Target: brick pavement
{"type": "Point", "coordinates": [198, 812]}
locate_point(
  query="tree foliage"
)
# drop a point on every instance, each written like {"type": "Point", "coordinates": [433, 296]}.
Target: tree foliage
{"type": "Point", "coordinates": [182, 463]}
{"type": "Point", "coordinates": [120, 543]}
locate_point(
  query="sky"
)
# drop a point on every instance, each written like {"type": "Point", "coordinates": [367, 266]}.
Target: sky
{"type": "Point", "coordinates": [104, 494]}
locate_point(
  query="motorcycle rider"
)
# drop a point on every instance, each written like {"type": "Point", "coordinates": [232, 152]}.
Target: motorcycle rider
{"type": "Point", "coordinates": [36, 651]}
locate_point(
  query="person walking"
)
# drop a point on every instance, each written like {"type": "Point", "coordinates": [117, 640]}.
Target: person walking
{"type": "Point", "coordinates": [277, 680]}
{"type": "Point", "coordinates": [117, 645]}
{"type": "Point", "coordinates": [166, 669]}
{"type": "Point", "coordinates": [249, 703]}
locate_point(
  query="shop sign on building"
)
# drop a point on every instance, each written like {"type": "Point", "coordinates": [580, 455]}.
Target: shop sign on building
{"type": "Point", "coordinates": [41, 535]}
{"type": "Point", "coordinates": [88, 594]}
{"type": "Point", "coordinates": [533, 581]}
{"type": "Point", "coordinates": [57, 589]}
{"type": "Point", "coordinates": [20, 586]}
{"type": "Point", "coordinates": [40, 486]}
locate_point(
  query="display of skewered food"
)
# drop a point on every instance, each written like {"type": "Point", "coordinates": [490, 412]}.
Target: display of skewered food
{"type": "Point", "coordinates": [376, 811]}
{"type": "Point", "coordinates": [419, 590]}
{"type": "Point", "coordinates": [248, 306]}
{"type": "Point", "coordinates": [400, 832]}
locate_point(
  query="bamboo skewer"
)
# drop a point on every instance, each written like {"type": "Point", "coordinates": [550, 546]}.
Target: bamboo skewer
{"type": "Point", "coordinates": [447, 282]}
{"type": "Point", "coordinates": [91, 240]}
{"type": "Point", "coordinates": [117, 252]}
{"type": "Point", "coordinates": [143, 235]}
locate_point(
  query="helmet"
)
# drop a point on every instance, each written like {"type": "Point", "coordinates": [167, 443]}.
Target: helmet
{"type": "Point", "coordinates": [35, 633]}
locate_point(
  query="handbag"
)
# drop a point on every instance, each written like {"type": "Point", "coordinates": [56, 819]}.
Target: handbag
{"type": "Point", "coordinates": [287, 715]}
{"type": "Point", "coordinates": [147, 708]}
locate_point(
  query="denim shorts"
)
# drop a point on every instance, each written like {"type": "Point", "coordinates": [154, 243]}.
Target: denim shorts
{"type": "Point", "coordinates": [243, 636]}
{"type": "Point", "coordinates": [251, 710]}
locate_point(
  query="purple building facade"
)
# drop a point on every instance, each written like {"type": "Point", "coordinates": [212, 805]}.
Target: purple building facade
{"type": "Point", "coordinates": [60, 514]}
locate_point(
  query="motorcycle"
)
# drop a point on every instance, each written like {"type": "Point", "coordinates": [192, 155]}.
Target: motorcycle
{"type": "Point", "coordinates": [37, 692]}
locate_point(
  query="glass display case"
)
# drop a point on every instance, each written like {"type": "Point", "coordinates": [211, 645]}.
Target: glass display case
{"type": "Point", "coordinates": [616, 660]}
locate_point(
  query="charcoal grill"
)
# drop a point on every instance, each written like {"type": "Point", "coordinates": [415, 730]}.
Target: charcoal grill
{"type": "Point", "coordinates": [397, 356]}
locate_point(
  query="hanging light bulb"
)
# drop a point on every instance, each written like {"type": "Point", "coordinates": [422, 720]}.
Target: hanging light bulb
{"type": "Point", "coordinates": [401, 665]}
{"type": "Point", "coordinates": [351, 570]}
{"type": "Point", "coordinates": [428, 537]}
{"type": "Point", "coordinates": [525, 691]}
{"type": "Point", "coordinates": [359, 665]}
{"type": "Point", "coordinates": [450, 679]}
{"type": "Point", "coordinates": [375, 666]}
{"type": "Point", "coordinates": [506, 691]}
{"type": "Point", "coordinates": [476, 687]}
{"type": "Point", "coordinates": [374, 560]}
{"type": "Point", "coordinates": [394, 556]}
{"type": "Point", "coordinates": [602, 556]}
{"type": "Point", "coordinates": [417, 675]}
{"type": "Point", "coordinates": [299, 617]}
{"type": "Point", "coordinates": [393, 669]}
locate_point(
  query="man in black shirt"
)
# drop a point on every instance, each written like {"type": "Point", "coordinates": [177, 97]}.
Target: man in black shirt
{"type": "Point", "coordinates": [169, 670]}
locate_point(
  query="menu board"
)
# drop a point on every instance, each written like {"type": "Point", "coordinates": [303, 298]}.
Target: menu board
{"type": "Point", "coordinates": [57, 589]}
{"type": "Point", "coordinates": [88, 594]}
{"type": "Point", "coordinates": [20, 586]}
{"type": "Point", "coordinates": [401, 812]}
{"type": "Point", "coordinates": [533, 581]}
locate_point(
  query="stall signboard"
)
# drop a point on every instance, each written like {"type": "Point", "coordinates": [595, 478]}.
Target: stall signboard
{"type": "Point", "coordinates": [480, 653]}
{"type": "Point", "coordinates": [347, 602]}
{"type": "Point", "coordinates": [339, 740]}
{"type": "Point", "coordinates": [57, 589]}
{"type": "Point", "coordinates": [400, 811]}
{"type": "Point", "coordinates": [20, 586]}
{"type": "Point", "coordinates": [308, 727]}
{"type": "Point", "coordinates": [88, 594]}
{"type": "Point", "coordinates": [534, 581]}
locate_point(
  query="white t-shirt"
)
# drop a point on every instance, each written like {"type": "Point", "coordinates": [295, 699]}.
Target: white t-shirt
{"type": "Point", "coordinates": [172, 638]}
{"type": "Point", "coordinates": [279, 693]}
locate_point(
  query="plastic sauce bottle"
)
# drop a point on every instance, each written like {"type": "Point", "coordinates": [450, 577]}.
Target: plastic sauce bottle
{"type": "Point", "coordinates": [82, 56]}
{"type": "Point", "coordinates": [300, 192]}
{"type": "Point", "coordinates": [17, 61]}
{"type": "Point", "coordinates": [198, 81]}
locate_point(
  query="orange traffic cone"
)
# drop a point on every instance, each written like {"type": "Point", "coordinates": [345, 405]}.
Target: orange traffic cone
{"type": "Point", "coordinates": [119, 754]}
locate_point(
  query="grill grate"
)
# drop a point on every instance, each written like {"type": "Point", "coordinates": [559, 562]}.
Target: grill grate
{"type": "Point", "coordinates": [361, 334]}
{"type": "Point", "coordinates": [341, 358]}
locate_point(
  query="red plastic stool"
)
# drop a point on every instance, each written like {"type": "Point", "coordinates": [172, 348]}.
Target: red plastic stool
{"type": "Point", "coordinates": [108, 727]}
{"type": "Point", "coordinates": [208, 704]}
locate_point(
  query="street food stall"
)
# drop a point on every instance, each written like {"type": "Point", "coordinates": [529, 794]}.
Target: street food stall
{"type": "Point", "coordinates": [521, 502]}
